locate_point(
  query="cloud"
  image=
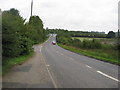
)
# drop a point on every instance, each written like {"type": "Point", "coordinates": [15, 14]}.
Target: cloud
{"type": "Point", "coordinates": [98, 15]}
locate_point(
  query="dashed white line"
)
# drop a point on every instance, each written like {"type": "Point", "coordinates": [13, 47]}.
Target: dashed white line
{"type": "Point", "coordinates": [108, 76]}
{"type": "Point", "coordinates": [97, 71]}
{"type": "Point", "coordinates": [88, 66]}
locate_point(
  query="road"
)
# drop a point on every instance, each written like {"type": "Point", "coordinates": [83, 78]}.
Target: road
{"type": "Point", "coordinates": [55, 67]}
{"type": "Point", "coordinates": [71, 70]}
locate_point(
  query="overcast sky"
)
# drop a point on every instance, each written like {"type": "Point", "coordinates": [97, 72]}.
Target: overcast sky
{"type": "Point", "coordinates": [83, 15]}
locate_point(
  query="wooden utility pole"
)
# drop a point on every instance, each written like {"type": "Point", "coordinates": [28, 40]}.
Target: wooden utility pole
{"type": "Point", "coordinates": [31, 7]}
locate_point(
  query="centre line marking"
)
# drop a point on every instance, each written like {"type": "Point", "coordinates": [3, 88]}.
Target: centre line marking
{"type": "Point", "coordinates": [108, 76]}
{"type": "Point", "coordinates": [88, 66]}
{"type": "Point", "coordinates": [55, 85]}
{"type": "Point", "coordinates": [40, 49]}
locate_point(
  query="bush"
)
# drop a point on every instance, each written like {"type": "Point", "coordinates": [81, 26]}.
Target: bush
{"type": "Point", "coordinates": [12, 26]}
{"type": "Point", "coordinates": [76, 43]}
{"type": "Point", "coordinates": [88, 44]}
{"type": "Point", "coordinates": [96, 44]}
{"type": "Point", "coordinates": [18, 36]}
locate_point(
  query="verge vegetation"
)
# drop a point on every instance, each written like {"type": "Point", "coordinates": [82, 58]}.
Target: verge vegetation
{"type": "Point", "coordinates": [18, 37]}
{"type": "Point", "coordinates": [92, 47]}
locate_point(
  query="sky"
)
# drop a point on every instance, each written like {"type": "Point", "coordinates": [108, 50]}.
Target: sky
{"type": "Point", "coordinates": [75, 15]}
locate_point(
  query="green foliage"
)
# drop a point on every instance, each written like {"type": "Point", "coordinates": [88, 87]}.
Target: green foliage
{"type": "Point", "coordinates": [36, 31]}
{"type": "Point", "coordinates": [14, 12]}
{"type": "Point", "coordinates": [100, 54]}
{"type": "Point", "coordinates": [66, 39]}
{"type": "Point", "coordinates": [18, 36]}
{"type": "Point", "coordinates": [78, 33]}
{"type": "Point", "coordinates": [111, 34]}
{"type": "Point", "coordinates": [76, 42]}
{"type": "Point", "coordinates": [13, 61]}
{"type": "Point", "coordinates": [11, 27]}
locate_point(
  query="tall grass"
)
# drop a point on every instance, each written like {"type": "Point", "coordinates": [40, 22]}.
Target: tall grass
{"type": "Point", "coordinates": [101, 54]}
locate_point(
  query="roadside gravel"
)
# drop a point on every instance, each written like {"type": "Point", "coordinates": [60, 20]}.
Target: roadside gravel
{"type": "Point", "coordinates": [31, 74]}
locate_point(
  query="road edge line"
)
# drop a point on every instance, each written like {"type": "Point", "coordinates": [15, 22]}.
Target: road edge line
{"type": "Point", "coordinates": [50, 75]}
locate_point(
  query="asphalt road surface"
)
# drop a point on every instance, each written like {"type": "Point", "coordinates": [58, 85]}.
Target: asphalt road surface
{"type": "Point", "coordinates": [71, 70]}
{"type": "Point", "coordinates": [55, 67]}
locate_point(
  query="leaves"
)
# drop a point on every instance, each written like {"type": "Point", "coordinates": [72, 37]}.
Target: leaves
{"type": "Point", "coordinates": [18, 36]}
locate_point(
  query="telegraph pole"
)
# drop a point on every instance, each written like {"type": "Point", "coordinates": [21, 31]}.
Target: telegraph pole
{"type": "Point", "coordinates": [31, 7]}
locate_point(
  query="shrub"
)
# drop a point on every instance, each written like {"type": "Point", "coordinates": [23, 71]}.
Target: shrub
{"type": "Point", "coordinates": [76, 42]}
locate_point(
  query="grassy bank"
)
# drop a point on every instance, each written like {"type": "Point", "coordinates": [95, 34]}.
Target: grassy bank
{"type": "Point", "coordinates": [14, 61]}
{"type": "Point", "coordinates": [98, 54]}
{"type": "Point", "coordinates": [11, 62]}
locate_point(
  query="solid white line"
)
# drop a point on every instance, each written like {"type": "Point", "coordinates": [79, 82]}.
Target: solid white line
{"type": "Point", "coordinates": [51, 78]}
{"type": "Point", "coordinates": [40, 49]}
{"type": "Point", "coordinates": [88, 66]}
{"type": "Point", "coordinates": [108, 76]}
{"type": "Point", "coordinates": [55, 85]}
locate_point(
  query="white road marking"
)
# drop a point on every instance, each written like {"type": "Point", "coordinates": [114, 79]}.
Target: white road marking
{"type": "Point", "coordinates": [88, 66]}
{"type": "Point", "coordinates": [55, 85]}
{"type": "Point", "coordinates": [108, 76]}
{"type": "Point", "coordinates": [40, 49]}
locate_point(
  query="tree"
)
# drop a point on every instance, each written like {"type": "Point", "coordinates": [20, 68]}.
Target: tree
{"type": "Point", "coordinates": [14, 35]}
{"type": "Point", "coordinates": [111, 34]}
{"type": "Point", "coordinates": [35, 27]}
{"type": "Point", "coordinates": [11, 27]}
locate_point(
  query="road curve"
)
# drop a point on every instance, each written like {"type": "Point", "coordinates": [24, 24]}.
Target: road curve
{"type": "Point", "coordinates": [71, 70]}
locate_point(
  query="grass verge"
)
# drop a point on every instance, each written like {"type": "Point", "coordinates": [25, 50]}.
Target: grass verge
{"type": "Point", "coordinates": [94, 54]}
{"type": "Point", "coordinates": [11, 62]}
{"type": "Point", "coordinates": [15, 61]}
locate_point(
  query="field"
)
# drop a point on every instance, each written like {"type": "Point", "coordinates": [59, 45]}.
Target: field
{"type": "Point", "coordinates": [102, 40]}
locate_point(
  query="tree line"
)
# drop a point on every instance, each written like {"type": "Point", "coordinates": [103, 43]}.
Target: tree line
{"type": "Point", "coordinates": [18, 36]}
{"type": "Point", "coordinates": [91, 34]}
{"type": "Point", "coordinates": [64, 37]}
